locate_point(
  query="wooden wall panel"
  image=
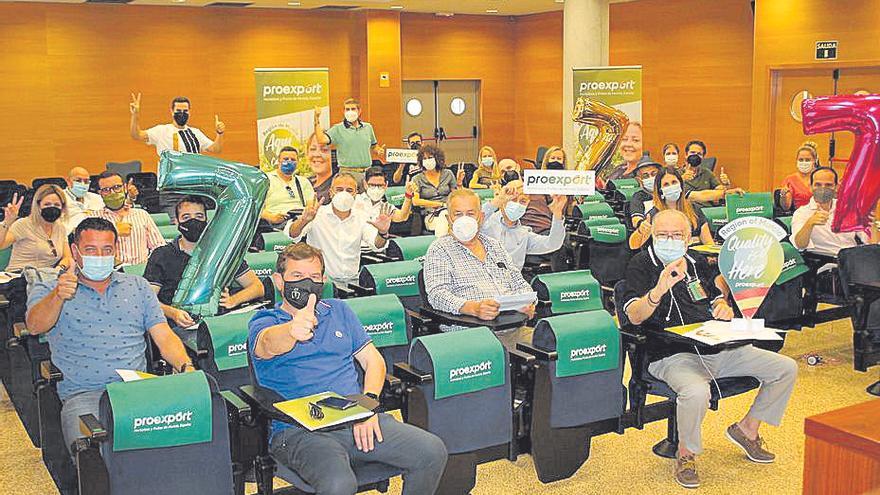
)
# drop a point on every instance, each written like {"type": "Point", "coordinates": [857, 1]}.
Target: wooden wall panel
{"type": "Point", "coordinates": [538, 94]}
{"type": "Point", "coordinates": [696, 58]}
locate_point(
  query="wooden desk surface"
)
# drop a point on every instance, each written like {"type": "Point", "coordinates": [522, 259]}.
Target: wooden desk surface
{"type": "Point", "coordinates": [856, 427]}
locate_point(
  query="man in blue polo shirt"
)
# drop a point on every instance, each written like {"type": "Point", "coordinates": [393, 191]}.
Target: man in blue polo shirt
{"type": "Point", "coordinates": [354, 140]}
{"type": "Point", "coordinates": [307, 346]}
{"type": "Point", "coordinates": [96, 319]}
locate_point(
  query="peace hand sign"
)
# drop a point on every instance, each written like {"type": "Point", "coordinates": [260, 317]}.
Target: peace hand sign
{"type": "Point", "coordinates": [10, 211]}
{"type": "Point", "coordinates": [135, 105]}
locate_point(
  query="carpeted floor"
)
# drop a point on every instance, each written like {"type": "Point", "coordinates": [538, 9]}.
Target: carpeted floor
{"type": "Point", "coordinates": [617, 464]}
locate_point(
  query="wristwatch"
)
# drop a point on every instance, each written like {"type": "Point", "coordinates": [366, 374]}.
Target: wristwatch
{"type": "Point", "coordinates": [371, 395]}
{"type": "Point", "coordinates": [184, 366]}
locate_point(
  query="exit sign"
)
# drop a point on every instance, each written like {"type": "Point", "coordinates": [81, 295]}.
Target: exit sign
{"type": "Point", "coordinates": [826, 50]}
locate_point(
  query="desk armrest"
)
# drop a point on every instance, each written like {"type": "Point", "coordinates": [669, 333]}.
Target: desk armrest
{"type": "Point", "coordinates": [92, 428]}
{"type": "Point", "coordinates": [412, 375]}
{"type": "Point", "coordinates": [391, 381]}
{"type": "Point", "coordinates": [536, 352]}
{"type": "Point", "coordinates": [50, 373]}
{"type": "Point", "coordinates": [816, 260]}
{"type": "Point", "coordinates": [235, 403]}
{"type": "Point", "coordinates": [504, 321]}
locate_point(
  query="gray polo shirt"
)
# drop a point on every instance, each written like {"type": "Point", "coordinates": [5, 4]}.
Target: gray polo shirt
{"type": "Point", "coordinates": [353, 144]}
{"type": "Point", "coordinates": [98, 333]}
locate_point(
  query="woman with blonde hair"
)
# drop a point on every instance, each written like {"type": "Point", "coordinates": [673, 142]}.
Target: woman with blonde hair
{"type": "Point", "coordinates": [554, 159]}
{"type": "Point", "coordinates": [488, 173]}
{"type": "Point", "coordinates": [796, 190]}
{"type": "Point", "coordinates": [38, 240]}
{"type": "Point", "coordinates": [669, 195]}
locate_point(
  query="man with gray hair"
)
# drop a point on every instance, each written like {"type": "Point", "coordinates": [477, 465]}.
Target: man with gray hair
{"type": "Point", "coordinates": [666, 287]}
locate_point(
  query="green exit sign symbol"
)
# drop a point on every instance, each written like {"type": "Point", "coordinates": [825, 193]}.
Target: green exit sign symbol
{"type": "Point", "coordinates": [826, 50]}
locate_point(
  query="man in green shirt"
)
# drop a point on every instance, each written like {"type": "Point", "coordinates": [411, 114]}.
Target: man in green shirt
{"type": "Point", "coordinates": [353, 138]}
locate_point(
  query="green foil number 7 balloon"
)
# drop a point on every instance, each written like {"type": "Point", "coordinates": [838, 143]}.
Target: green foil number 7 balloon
{"type": "Point", "coordinates": [239, 191]}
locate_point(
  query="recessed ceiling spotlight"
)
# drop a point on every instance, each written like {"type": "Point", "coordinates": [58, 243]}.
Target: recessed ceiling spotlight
{"type": "Point", "coordinates": [560, 1]}
{"type": "Point", "coordinates": [445, 14]}
{"type": "Point", "coordinates": [397, 7]}
{"type": "Point", "coordinates": [179, 1]}
{"type": "Point", "coordinates": [294, 4]}
{"type": "Point", "coordinates": [491, 11]}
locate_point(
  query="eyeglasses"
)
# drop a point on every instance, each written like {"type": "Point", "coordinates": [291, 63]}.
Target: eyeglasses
{"type": "Point", "coordinates": [52, 247]}
{"type": "Point", "coordinates": [107, 190]}
{"type": "Point", "coordinates": [315, 411]}
{"type": "Point", "coordinates": [674, 236]}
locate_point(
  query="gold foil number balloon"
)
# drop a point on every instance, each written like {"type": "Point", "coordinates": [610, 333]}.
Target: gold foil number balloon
{"type": "Point", "coordinates": [239, 191]}
{"type": "Point", "coordinates": [602, 128]}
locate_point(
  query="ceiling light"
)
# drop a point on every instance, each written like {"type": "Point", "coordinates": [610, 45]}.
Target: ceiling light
{"type": "Point", "coordinates": [491, 11]}
{"type": "Point", "coordinates": [397, 7]}
{"type": "Point", "coordinates": [294, 4]}
{"type": "Point", "coordinates": [560, 1]}
{"type": "Point", "coordinates": [179, 1]}
{"type": "Point", "coordinates": [445, 14]}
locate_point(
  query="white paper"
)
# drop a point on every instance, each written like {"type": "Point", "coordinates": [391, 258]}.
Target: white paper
{"type": "Point", "coordinates": [716, 332]}
{"type": "Point", "coordinates": [514, 302]}
{"type": "Point", "coordinates": [6, 277]}
{"type": "Point", "coordinates": [133, 375]}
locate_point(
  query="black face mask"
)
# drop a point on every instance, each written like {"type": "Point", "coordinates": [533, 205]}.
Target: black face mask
{"type": "Point", "coordinates": [555, 166]}
{"type": "Point", "coordinates": [181, 117]}
{"type": "Point", "coordinates": [415, 146]}
{"type": "Point", "coordinates": [509, 176]}
{"type": "Point", "coordinates": [297, 292]}
{"type": "Point", "coordinates": [50, 213]}
{"type": "Point", "coordinates": [694, 160]}
{"type": "Point", "coordinates": [192, 229]}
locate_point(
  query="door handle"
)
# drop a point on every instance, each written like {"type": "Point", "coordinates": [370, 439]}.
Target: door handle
{"type": "Point", "coordinates": [442, 135]}
{"type": "Point", "coordinates": [475, 131]}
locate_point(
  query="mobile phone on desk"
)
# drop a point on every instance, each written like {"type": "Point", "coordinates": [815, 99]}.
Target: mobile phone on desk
{"type": "Point", "coordinates": [339, 403]}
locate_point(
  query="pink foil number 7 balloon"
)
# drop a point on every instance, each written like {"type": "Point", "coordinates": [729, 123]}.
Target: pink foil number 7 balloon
{"type": "Point", "coordinates": [860, 187]}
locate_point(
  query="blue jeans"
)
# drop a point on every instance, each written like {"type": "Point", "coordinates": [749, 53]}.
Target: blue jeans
{"type": "Point", "coordinates": [72, 408]}
{"type": "Point", "coordinates": [326, 460]}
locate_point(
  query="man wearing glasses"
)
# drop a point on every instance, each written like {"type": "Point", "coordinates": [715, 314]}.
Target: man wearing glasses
{"type": "Point", "coordinates": [307, 345]}
{"type": "Point", "coordinates": [138, 234]}
{"type": "Point", "coordinates": [288, 192]}
{"type": "Point", "coordinates": [667, 287]}
{"type": "Point", "coordinates": [80, 201]}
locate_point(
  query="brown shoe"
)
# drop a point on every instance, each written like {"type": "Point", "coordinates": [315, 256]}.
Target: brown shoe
{"type": "Point", "coordinates": [686, 472]}
{"type": "Point", "coordinates": [754, 449]}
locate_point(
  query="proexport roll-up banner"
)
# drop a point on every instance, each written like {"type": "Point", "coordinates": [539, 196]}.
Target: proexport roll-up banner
{"type": "Point", "coordinates": [286, 101]}
{"type": "Point", "coordinates": [618, 87]}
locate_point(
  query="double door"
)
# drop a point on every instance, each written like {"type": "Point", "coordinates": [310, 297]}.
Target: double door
{"type": "Point", "coordinates": [445, 113]}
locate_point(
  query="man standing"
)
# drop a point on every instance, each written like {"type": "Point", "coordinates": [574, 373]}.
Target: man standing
{"type": "Point", "coordinates": [96, 319]}
{"type": "Point", "coordinates": [177, 135]}
{"type": "Point", "coordinates": [353, 138]}
{"type": "Point", "coordinates": [306, 346]}
{"type": "Point", "coordinates": [79, 200]}
{"type": "Point", "coordinates": [287, 191]}
{"type": "Point", "coordinates": [138, 234]}
{"type": "Point", "coordinates": [811, 223]}
{"type": "Point", "coordinates": [339, 230]}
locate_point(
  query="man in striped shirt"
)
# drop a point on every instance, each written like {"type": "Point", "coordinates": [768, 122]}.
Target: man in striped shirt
{"type": "Point", "coordinates": [177, 135]}
{"type": "Point", "coordinates": [138, 234]}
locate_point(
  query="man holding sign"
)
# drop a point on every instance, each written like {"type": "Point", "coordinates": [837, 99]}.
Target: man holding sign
{"type": "Point", "coordinates": [305, 346]}
{"type": "Point", "coordinates": [667, 287]}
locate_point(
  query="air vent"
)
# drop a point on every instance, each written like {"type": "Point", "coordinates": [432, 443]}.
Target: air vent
{"type": "Point", "coordinates": [229, 4]}
{"type": "Point", "coordinates": [336, 7]}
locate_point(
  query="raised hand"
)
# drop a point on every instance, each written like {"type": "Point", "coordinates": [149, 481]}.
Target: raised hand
{"type": "Point", "coordinates": [135, 105]}
{"type": "Point", "coordinates": [380, 151]}
{"type": "Point", "coordinates": [558, 205]}
{"type": "Point", "coordinates": [672, 274]}
{"type": "Point", "coordinates": [317, 115]}
{"type": "Point", "coordinates": [66, 288]}
{"type": "Point", "coordinates": [132, 189]}
{"type": "Point", "coordinates": [725, 180]}
{"type": "Point", "coordinates": [383, 221]}
{"type": "Point", "coordinates": [820, 217]}
{"type": "Point", "coordinates": [501, 198]}
{"type": "Point", "coordinates": [459, 176]}
{"type": "Point", "coordinates": [219, 126]}
{"type": "Point", "coordinates": [309, 211]}
{"type": "Point", "coordinates": [412, 188]}
{"type": "Point", "coordinates": [688, 174]}
{"type": "Point", "coordinates": [303, 324]}
{"type": "Point", "coordinates": [10, 211]}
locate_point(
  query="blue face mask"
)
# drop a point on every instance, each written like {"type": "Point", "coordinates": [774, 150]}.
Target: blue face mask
{"type": "Point", "coordinates": [288, 167]}
{"type": "Point", "coordinates": [97, 268]}
{"type": "Point", "coordinates": [648, 184]}
{"type": "Point", "coordinates": [669, 250]}
{"type": "Point", "coordinates": [672, 192]}
{"type": "Point", "coordinates": [79, 189]}
{"type": "Point", "coordinates": [514, 210]}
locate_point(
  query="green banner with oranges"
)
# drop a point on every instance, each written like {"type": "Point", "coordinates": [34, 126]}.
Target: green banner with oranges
{"type": "Point", "coordinates": [286, 101]}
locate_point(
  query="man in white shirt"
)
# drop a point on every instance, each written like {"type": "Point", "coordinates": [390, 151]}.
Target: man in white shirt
{"type": "Point", "coordinates": [338, 230]}
{"type": "Point", "coordinates": [79, 200]}
{"type": "Point", "coordinates": [811, 223]}
{"type": "Point", "coordinates": [287, 191]}
{"type": "Point", "coordinates": [372, 200]}
{"type": "Point", "coordinates": [177, 135]}
{"type": "Point", "coordinates": [502, 223]}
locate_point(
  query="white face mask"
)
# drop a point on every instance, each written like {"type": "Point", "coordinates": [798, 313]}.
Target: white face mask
{"type": "Point", "coordinates": [351, 116]}
{"type": "Point", "coordinates": [465, 228]}
{"type": "Point", "coordinates": [648, 183]}
{"type": "Point", "coordinates": [343, 201]}
{"type": "Point", "coordinates": [429, 163]}
{"type": "Point", "coordinates": [805, 166]}
{"type": "Point", "coordinates": [487, 161]}
{"type": "Point", "coordinates": [375, 193]}
{"type": "Point", "coordinates": [671, 160]}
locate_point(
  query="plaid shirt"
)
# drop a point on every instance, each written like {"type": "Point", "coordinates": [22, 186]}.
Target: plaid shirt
{"type": "Point", "coordinates": [454, 276]}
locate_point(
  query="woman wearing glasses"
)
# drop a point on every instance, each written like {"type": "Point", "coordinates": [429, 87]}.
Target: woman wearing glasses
{"type": "Point", "coordinates": [669, 195]}
{"type": "Point", "coordinates": [38, 240]}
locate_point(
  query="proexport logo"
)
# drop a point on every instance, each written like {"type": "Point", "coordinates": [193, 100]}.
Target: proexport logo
{"type": "Point", "coordinates": [236, 349]}
{"type": "Point", "coordinates": [790, 263]}
{"type": "Point", "coordinates": [750, 209]}
{"type": "Point", "coordinates": [181, 419]}
{"type": "Point", "coordinates": [295, 90]}
{"type": "Point", "coordinates": [400, 281]}
{"type": "Point", "coordinates": [472, 371]}
{"type": "Point", "coordinates": [607, 86]}
{"type": "Point", "coordinates": [607, 230]}
{"type": "Point", "coordinates": [263, 272]}
{"type": "Point", "coordinates": [379, 328]}
{"type": "Point", "coordinates": [574, 295]}
{"type": "Point", "coordinates": [596, 351]}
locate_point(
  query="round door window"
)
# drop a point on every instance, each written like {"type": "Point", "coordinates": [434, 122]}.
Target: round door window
{"type": "Point", "coordinates": [795, 106]}
{"type": "Point", "coordinates": [457, 106]}
{"type": "Point", "coordinates": [414, 107]}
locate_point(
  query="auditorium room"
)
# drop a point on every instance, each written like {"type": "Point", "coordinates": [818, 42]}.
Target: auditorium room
{"type": "Point", "coordinates": [452, 247]}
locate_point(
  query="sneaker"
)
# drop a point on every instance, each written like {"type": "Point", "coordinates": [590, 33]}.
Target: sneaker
{"type": "Point", "coordinates": [686, 472]}
{"type": "Point", "coordinates": [754, 449]}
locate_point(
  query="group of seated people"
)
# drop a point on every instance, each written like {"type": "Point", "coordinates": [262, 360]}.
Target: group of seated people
{"type": "Point", "coordinates": [307, 344]}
